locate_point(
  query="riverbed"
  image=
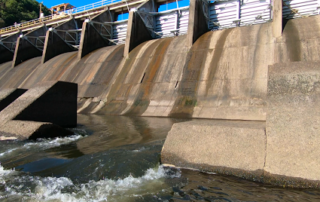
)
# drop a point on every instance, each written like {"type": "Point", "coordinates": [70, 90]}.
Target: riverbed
{"type": "Point", "coordinates": [117, 158]}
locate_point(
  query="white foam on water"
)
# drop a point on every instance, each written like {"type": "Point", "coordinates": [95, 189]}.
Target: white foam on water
{"type": "Point", "coordinates": [139, 150]}
{"type": "Point", "coordinates": [43, 144]}
{"type": "Point", "coordinates": [49, 143]}
{"type": "Point", "coordinates": [4, 175]}
{"type": "Point", "coordinates": [63, 189]}
{"type": "Point", "coordinates": [8, 151]}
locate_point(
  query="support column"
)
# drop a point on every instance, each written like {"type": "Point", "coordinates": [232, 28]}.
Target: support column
{"type": "Point", "coordinates": [137, 33]}
{"type": "Point", "coordinates": [95, 33]}
{"type": "Point", "coordinates": [277, 18]}
{"type": "Point", "coordinates": [29, 46]}
{"type": "Point", "coordinates": [198, 24]}
{"type": "Point", "coordinates": [55, 42]}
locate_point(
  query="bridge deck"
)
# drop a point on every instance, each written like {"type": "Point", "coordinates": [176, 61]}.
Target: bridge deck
{"type": "Point", "coordinates": [82, 12]}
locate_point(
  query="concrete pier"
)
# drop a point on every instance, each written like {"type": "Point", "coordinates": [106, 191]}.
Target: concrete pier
{"type": "Point", "coordinates": [228, 147]}
{"type": "Point", "coordinates": [137, 31]}
{"type": "Point", "coordinates": [48, 106]}
{"type": "Point", "coordinates": [7, 96]}
{"type": "Point", "coordinates": [198, 24]}
{"type": "Point", "coordinates": [293, 120]}
{"type": "Point", "coordinates": [29, 46]}
{"type": "Point", "coordinates": [55, 41]}
{"type": "Point", "coordinates": [53, 102]}
{"type": "Point", "coordinates": [95, 33]}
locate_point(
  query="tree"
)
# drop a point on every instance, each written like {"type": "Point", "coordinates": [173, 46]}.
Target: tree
{"type": "Point", "coordinates": [12, 11]}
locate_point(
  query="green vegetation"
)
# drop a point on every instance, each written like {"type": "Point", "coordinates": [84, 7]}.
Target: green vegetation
{"type": "Point", "coordinates": [12, 11]}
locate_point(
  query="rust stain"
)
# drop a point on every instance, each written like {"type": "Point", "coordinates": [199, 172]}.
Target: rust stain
{"type": "Point", "coordinates": [57, 71]}
{"type": "Point", "coordinates": [67, 64]}
{"type": "Point", "coordinates": [109, 66]}
{"type": "Point", "coordinates": [142, 100]}
{"type": "Point", "coordinates": [216, 58]}
{"type": "Point", "coordinates": [113, 106]}
{"type": "Point", "coordinates": [187, 90]}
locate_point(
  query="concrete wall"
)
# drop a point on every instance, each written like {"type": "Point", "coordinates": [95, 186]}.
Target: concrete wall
{"type": "Point", "coordinates": [281, 151]}
{"type": "Point", "coordinates": [38, 112]}
{"type": "Point", "coordinates": [299, 41]}
{"type": "Point", "coordinates": [223, 75]}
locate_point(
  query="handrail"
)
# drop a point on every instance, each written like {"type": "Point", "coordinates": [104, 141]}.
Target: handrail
{"type": "Point", "coordinates": [62, 14]}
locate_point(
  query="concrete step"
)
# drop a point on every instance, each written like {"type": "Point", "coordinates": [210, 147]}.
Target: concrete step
{"type": "Point", "coordinates": [7, 96]}
{"type": "Point", "coordinates": [52, 101]}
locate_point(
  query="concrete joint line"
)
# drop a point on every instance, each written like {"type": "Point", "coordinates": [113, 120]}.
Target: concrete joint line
{"type": "Point", "coordinates": [265, 149]}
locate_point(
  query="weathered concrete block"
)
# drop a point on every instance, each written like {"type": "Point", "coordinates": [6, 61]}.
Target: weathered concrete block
{"type": "Point", "coordinates": [7, 96]}
{"type": "Point", "coordinates": [54, 102]}
{"type": "Point", "coordinates": [293, 120]}
{"type": "Point", "coordinates": [229, 147]}
{"type": "Point", "coordinates": [31, 130]}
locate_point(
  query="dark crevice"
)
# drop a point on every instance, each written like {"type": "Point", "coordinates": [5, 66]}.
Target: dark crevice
{"type": "Point", "coordinates": [144, 74]}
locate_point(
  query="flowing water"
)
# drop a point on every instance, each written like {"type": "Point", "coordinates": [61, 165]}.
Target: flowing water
{"type": "Point", "coordinates": [115, 158]}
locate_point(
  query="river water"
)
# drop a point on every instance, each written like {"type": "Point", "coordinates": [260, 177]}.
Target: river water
{"type": "Point", "coordinates": [116, 158]}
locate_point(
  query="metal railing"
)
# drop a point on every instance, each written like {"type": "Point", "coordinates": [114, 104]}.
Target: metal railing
{"type": "Point", "coordinates": [60, 15]}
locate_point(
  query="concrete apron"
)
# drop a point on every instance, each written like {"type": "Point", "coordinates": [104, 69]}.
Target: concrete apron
{"type": "Point", "coordinates": [282, 151]}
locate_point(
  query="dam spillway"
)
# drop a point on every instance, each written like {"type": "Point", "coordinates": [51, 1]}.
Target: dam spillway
{"type": "Point", "coordinates": [223, 75]}
{"type": "Point", "coordinates": [230, 74]}
{"type": "Point", "coordinates": [161, 78]}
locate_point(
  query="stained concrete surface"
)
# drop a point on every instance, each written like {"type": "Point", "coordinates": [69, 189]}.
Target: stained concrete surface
{"type": "Point", "coordinates": [7, 96]}
{"type": "Point", "coordinates": [293, 120]}
{"type": "Point", "coordinates": [228, 147]}
{"type": "Point", "coordinates": [23, 130]}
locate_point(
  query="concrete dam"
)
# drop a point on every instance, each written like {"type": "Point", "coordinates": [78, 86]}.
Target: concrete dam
{"type": "Point", "coordinates": [258, 84]}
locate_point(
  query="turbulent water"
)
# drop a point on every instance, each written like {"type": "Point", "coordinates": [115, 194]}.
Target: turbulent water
{"type": "Point", "coordinates": [117, 159]}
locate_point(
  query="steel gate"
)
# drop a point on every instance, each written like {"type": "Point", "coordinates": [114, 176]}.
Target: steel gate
{"type": "Point", "coordinates": [119, 33]}
{"type": "Point", "coordinates": [235, 13]}
{"type": "Point", "coordinates": [171, 23]}
{"type": "Point", "coordinates": [300, 8]}
{"type": "Point", "coordinates": [255, 12]}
